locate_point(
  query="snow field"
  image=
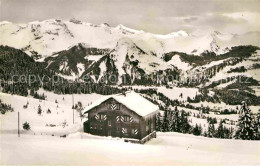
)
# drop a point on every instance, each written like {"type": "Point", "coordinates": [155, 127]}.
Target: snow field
{"type": "Point", "coordinates": [167, 149]}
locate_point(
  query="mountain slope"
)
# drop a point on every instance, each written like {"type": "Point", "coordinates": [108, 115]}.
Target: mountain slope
{"type": "Point", "coordinates": [75, 60]}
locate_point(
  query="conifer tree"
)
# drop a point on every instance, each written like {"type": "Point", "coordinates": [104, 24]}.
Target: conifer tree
{"type": "Point", "coordinates": [158, 122]}
{"type": "Point", "coordinates": [184, 124]}
{"type": "Point", "coordinates": [171, 120]}
{"type": "Point", "coordinates": [220, 130]}
{"type": "Point", "coordinates": [245, 129]}
{"type": "Point", "coordinates": [197, 130]}
{"type": "Point", "coordinates": [211, 130]}
{"type": "Point", "coordinates": [39, 110]}
{"type": "Point", "coordinates": [165, 124]}
{"type": "Point", "coordinates": [175, 125]}
{"type": "Point", "coordinates": [257, 125]}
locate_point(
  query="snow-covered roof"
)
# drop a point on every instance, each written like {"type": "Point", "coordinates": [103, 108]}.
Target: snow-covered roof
{"type": "Point", "coordinates": [131, 100]}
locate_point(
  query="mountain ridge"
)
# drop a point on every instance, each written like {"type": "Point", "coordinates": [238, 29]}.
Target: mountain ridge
{"type": "Point", "coordinates": [51, 36]}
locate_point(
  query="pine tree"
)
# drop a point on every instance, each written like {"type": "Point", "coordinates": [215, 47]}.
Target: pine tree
{"type": "Point", "coordinates": [257, 125]}
{"type": "Point", "coordinates": [39, 110]}
{"type": "Point", "coordinates": [228, 132]}
{"type": "Point", "coordinates": [158, 122]}
{"type": "Point", "coordinates": [220, 130]}
{"type": "Point", "coordinates": [165, 124]}
{"type": "Point", "coordinates": [245, 129]}
{"type": "Point", "coordinates": [197, 130]}
{"type": "Point", "coordinates": [184, 124]}
{"type": "Point", "coordinates": [170, 120]}
{"type": "Point", "coordinates": [211, 130]}
{"type": "Point", "coordinates": [175, 125]}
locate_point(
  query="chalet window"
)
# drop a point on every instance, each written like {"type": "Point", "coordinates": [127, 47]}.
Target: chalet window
{"type": "Point", "coordinates": [114, 106]}
{"type": "Point", "coordinates": [101, 116]}
{"type": "Point", "coordinates": [126, 118]}
{"type": "Point", "coordinates": [117, 118]}
{"type": "Point", "coordinates": [152, 127]}
{"type": "Point", "coordinates": [147, 127]}
{"type": "Point", "coordinates": [109, 122]}
{"type": "Point", "coordinates": [97, 117]}
{"type": "Point", "coordinates": [124, 130]}
{"type": "Point", "coordinates": [133, 131]}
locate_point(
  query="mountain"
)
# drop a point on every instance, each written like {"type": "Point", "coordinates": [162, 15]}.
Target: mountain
{"type": "Point", "coordinates": [75, 49]}
{"type": "Point", "coordinates": [75, 60]}
{"type": "Point", "coordinates": [127, 60]}
{"type": "Point", "coordinates": [51, 36]}
{"type": "Point", "coordinates": [231, 77]}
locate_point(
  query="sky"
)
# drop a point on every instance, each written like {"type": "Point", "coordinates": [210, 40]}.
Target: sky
{"type": "Point", "coordinates": [155, 16]}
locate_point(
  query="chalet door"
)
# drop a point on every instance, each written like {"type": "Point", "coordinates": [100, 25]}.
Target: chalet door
{"type": "Point", "coordinates": [109, 123]}
{"type": "Point", "coordinates": [109, 127]}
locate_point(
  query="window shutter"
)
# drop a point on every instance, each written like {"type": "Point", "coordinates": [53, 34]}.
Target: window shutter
{"type": "Point", "coordinates": [131, 119]}
{"type": "Point", "coordinates": [117, 118]}
{"type": "Point", "coordinates": [96, 117]}
{"type": "Point", "coordinates": [124, 130]}
{"type": "Point", "coordinates": [113, 106]}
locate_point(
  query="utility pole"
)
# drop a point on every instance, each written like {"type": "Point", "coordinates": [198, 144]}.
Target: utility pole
{"type": "Point", "coordinates": [18, 124]}
{"type": "Point", "coordinates": [73, 106]}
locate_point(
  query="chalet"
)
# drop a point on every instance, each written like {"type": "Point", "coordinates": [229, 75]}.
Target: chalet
{"type": "Point", "coordinates": [127, 115]}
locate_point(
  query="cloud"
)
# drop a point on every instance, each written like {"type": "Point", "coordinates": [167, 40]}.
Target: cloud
{"type": "Point", "coordinates": [190, 19]}
{"type": "Point", "coordinates": [154, 16]}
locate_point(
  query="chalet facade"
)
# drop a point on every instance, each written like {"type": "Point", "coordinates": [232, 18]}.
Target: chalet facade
{"type": "Point", "coordinates": [126, 115]}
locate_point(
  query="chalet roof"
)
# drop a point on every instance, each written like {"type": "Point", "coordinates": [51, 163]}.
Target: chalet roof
{"type": "Point", "coordinates": [131, 100]}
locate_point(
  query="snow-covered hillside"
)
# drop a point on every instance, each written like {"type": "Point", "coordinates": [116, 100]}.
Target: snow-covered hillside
{"type": "Point", "coordinates": [58, 122]}
{"type": "Point", "coordinates": [50, 36]}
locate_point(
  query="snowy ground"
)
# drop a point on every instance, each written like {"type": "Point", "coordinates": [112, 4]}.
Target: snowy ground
{"type": "Point", "coordinates": [166, 149]}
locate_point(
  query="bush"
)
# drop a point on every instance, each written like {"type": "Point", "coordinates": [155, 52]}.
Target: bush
{"type": "Point", "coordinates": [48, 111]}
{"type": "Point", "coordinates": [26, 126]}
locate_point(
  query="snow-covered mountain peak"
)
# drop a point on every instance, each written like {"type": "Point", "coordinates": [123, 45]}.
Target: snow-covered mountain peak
{"type": "Point", "coordinates": [5, 22]}
{"type": "Point", "coordinates": [179, 33]}
{"type": "Point", "coordinates": [53, 35]}
{"type": "Point", "coordinates": [125, 29]}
